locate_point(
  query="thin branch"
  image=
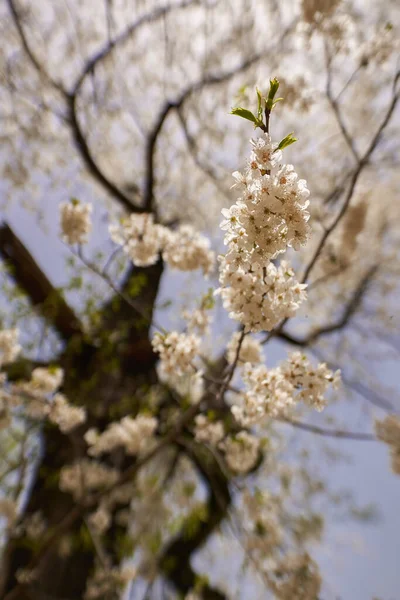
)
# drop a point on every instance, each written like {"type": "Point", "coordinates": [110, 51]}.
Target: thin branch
{"type": "Point", "coordinates": [335, 433]}
{"type": "Point", "coordinates": [336, 108]}
{"type": "Point", "coordinates": [353, 182]}
{"type": "Point", "coordinates": [191, 143]}
{"type": "Point", "coordinates": [90, 162]}
{"type": "Point", "coordinates": [348, 313]}
{"type": "Point", "coordinates": [31, 55]}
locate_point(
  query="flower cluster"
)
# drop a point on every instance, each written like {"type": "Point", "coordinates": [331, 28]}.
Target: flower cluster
{"type": "Point", "coordinates": [274, 392]}
{"type": "Point", "coordinates": [269, 217]}
{"type": "Point", "coordinates": [76, 223]}
{"type": "Point", "coordinates": [40, 401]}
{"type": "Point", "coordinates": [140, 238]}
{"type": "Point", "coordinates": [133, 435]}
{"type": "Point", "coordinates": [9, 347]}
{"type": "Point", "coordinates": [100, 520]}
{"type": "Point", "coordinates": [86, 476]}
{"type": "Point", "coordinates": [296, 576]}
{"type": "Point", "coordinates": [388, 431]}
{"type": "Point", "coordinates": [44, 381]}
{"type": "Point", "coordinates": [64, 415]}
{"type": "Point", "coordinates": [208, 432]}
{"type": "Point", "coordinates": [271, 212]}
{"type": "Point", "coordinates": [309, 384]}
{"type": "Point", "coordinates": [188, 386]}
{"type": "Point", "coordinates": [177, 352]}
{"type": "Point", "coordinates": [241, 452]}
{"type": "Point", "coordinates": [187, 250]}
{"type": "Point", "coordinates": [143, 241]}
{"type": "Point", "coordinates": [259, 297]}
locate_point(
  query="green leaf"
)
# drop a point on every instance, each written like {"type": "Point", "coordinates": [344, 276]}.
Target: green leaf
{"type": "Point", "coordinates": [244, 113]}
{"type": "Point", "coordinates": [287, 141]}
{"type": "Point", "coordinates": [273, 88]}
{"type": "Point", "coordinates": [260, 108]}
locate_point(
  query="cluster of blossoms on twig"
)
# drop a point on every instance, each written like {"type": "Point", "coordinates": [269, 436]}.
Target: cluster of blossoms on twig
{"type": "Point", "coordinates": [134, 435]}
{"type": "Point", "coordinates": [76, 223]}
{"type": "Point", "coordinates": [38, 396]}
{"type": "Point", "coordinates": [143, 241]}
{"type": "Point", "coordinates": [86, 476]}
{"type": "Point", "coordinates": [275, 392]}
{"type": "Point", "coordinates": [269, 217]}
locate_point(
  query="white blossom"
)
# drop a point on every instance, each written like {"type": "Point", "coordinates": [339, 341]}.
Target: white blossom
{"type": "Point", "coordinates": [35, 525]}
{"type": "Point", "coordinates": [188, 386]}
{"type": "Point", "coordinates": [199, 320]}
{"type": "Point", "coordinates": [45, 381]}
{"type": "Point", "coordinates": [8, 510]}
{"type": "Point", "coordinates": [275, 392]}
{"type": "Point", "coordinates": [140, 238]}
{"type": "Point", "coordinates": [259, 298]}
{"type": "Point", "coordinates": [76, 223]}
{"type": "Point", "coordinates": [100, 520]}
{"type": "Point", "coordinates": [86, 476]}
{"type": "Point", "coordinates": [177, 352]}
{"type": "Point", "coordinates": [66, 416]}
{"type": "Point", "coordinates": [108, 582]}
{"type": "Point", "coordinates": [269, 217]}
{"type": "Point", "coordinates": [208, 432]}
{"type": "Point", "coordinates": [133, 435]}
{"type": "Point", "coordinates": [9, 347]}
{"type": "Point", "coordinates": [187, 250]}
{"type": "Point", "coordinates": [241, 451]}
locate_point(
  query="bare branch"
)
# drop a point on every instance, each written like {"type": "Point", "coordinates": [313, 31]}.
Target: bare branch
{"type": "Point", "coordinates": [353, 182]}
{"type": "Point", "coordinates": [335, 433]}
{"type": "Point", "coordinates": [336, 108]}
{"type": "Point", "coordinates": [31, 55]}
{"type": "Point", "coordinates": [348, 313]}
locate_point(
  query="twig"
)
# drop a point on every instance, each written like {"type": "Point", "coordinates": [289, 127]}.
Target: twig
{"type": "Point", "coordinates": [335, 433]}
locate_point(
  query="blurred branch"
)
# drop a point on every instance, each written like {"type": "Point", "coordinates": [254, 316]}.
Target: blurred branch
{"type": "Point", "coordinates": [191, 142]}
{"type": "Point", "coordinates": [348, 313]}
{"type": "Point", "coordinates": [336, 433]}
{"type": "Point", "coordinates": [31, 279]}
{"type": "Point", "coordinates": [90, 162]}
{"type": "Point", "coordinates": [18, 20]}
{"type": "Point", "coordinates": [362, 163]}
{"type": "Point", "coordinates": [335, 105]}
